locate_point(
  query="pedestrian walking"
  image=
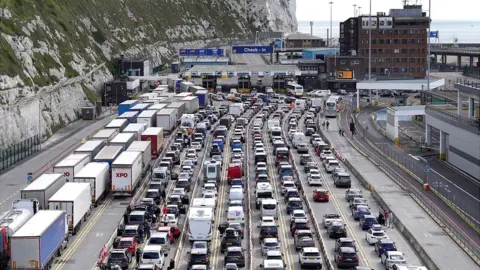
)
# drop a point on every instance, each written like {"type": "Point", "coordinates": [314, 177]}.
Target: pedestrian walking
{"type": "Point", "coordinates": [390, 220]}
{"type": "Point", "coordinates": [343, 133]}
{"type": "Point", "coordinates": [340, 131]}
{"type": "Point", "coordinates": [163, 194]}
{"type": "Point", "coordinates": [327, 124]}
{"type": "Point", "coordinates": [137, 255]}
{"type": "Point", "coordinates": [172, 265]}
{"type": "Point", "coordinates": [323, 124]}
{"type": "Point", "coordinates": [154, 220]}
{"type": "Point", "coordinates": [147, 229]}
{"type": "Point", "coordinates": [165, 210]}
{"type": "Point", "coordinates": [165, 220]}
{"type": "Point", "coordinates": [176, 234]}
{"type": "Point", "coordinates": [140, 234]}
{"type": "Point", "coordinates": [380, 218]}
{"type": "Point", "coordinates": [385, 214]}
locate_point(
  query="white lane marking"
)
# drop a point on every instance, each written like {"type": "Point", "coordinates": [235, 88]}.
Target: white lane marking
{"type": "Point", "coordinates": [99, 234]}
{"type": "Point", "coordinates": [414, 157]}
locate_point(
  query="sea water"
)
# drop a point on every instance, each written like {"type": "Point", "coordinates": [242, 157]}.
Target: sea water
{"type": "Point", "coordinates": [464, 31]}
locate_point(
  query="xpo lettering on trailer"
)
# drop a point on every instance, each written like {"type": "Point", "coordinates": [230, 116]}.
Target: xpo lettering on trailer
{"type": "Point", "coordinates": [251, 49]}
{"type": "Point", "coordinates": [124, 175]}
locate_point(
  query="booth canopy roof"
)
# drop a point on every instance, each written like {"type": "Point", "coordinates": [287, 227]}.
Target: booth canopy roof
{"type": "Point", "coordinates": [419, 84]}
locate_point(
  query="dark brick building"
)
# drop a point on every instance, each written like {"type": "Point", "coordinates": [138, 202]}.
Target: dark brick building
{"type": "Point", "coordinates": [399, 41]}
{"type": "Point", "coordinates": [301, 40]}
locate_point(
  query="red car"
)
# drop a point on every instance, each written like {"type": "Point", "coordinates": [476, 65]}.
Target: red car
{"type": "Point", "coordinates": [128, 243]}
{"type": "Point", "coordinates": [320, 195]}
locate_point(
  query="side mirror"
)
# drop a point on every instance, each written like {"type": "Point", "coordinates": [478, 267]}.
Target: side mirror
{"type": "Point", "coordinates": [258, 226]}
{"type": "Point", "coordinates": [261, 265]}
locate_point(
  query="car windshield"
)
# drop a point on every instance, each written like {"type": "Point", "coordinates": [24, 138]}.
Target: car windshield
{"type": "Point", "coordinates": [347, 244]}
{"type": "Point", "coordinates": [199, 257]}
{"type": "Point", "coordinates": [349, 254]}
{"type": "Point", "coordinates": [130, 231]}
{"type": "Point", "coordinates": [117, 255]}
{"type": "Point", "coordinates": [269, 229]}
{"type": "Point", "coordinates": [270, 244]}
{"type": "Point", "coordinates": [311, 254]}
{"type": "Point", "coordinates": [150, 255]}
{"type": "Point", "coordinates": [295, 203]}
{"type": "Point", "coordinates": [125, 244]}
{"type": "Point", "coordinates": [396, 257]}
{"type": "Point", "coordinates": [388, 245]}
{"type": "Point", "coordinates": [370, 219]}
{"type": "Point", "coordinates": [269, 206]}
{"type": "Point", "coordinates": [208, 196]}
{"type": "Point", "coordinates": [234, 254]}
{"type": "Point", "coordinates": [156, 241]}
{"type": "Point", "coordinates": [378, 234]}
{"type": "Point", "coordinates": [199, 245]}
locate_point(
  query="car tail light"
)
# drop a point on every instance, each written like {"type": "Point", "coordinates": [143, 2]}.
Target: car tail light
{"type": "Point", "coordinates": [340, 258]}
{"type": "Point", "coordinates": [331, 231]}
{"type": "Point", "coordinates": [356, 259]}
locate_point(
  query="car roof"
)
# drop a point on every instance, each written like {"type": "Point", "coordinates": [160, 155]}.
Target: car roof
{"type": "Point", "coordinates": [310, 249]}
{"type": "Point", "coordinates": [270, 240]}
{"type": "Point", "coordinates": [347, 250]}
{"type": "Point", "coordinates": [234, 249]}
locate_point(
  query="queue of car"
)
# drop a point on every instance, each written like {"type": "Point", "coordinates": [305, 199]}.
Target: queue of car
{"type": "Point", "coordinates": [345, 250]}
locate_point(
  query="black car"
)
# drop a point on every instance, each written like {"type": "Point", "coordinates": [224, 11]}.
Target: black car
{"type": "Point", "coordinates": [268, 231]}
{"type": "Point", "coordinates": [199, 258]}
{"type": "Point", "coordinates": [344, 242]}
{"type": "Point", "coordinates": [346, 257]}
{"type": "Point", "coordinates": [120, 257]}
{"type": "Point", "coordinates": [230, 239]}
{"type": "Point", "coordinates": [183, 183]}
{"type": "Point", "coordinates": [235, 255]}
{"type": "Point", "coordinates": [337, 230]}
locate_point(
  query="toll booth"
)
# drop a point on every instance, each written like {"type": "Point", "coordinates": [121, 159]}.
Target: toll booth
{"type": "Point", "coordinates": [279, 83]}
{"type": "Point", "coordinates": [209, 81]}
{"type": "Point", "coordinates": [244, 83]}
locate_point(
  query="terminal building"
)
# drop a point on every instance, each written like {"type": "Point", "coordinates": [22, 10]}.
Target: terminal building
{"type": "Point", "coordinates": [302, 40]}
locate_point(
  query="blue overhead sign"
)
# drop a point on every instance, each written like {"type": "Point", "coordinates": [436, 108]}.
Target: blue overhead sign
{"type": "Point", "coordinates": [201, 52]}
{"type": "Point", "coordinates": [251, 49]}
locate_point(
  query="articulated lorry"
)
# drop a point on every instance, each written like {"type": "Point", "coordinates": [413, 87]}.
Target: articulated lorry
{"type": "Point", "coordinates": [75, 200]}
{"type": "Point", "coordinates": [39, 241]}
{"type": "Point", "coordinates": [91, 148]}
{"type": "Point", "coordinates": [11, 222]}
{"type": "Point", "coordinates": [126, 173]}
{"type": "Point", "coordinates": [97, 174]}
{"type": "Point", "coordinates": [43, 188]}
{"type": "Point", "coordinates": [71, 165]}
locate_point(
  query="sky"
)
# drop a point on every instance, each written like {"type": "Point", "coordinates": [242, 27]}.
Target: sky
{"type": "Point", "coordinates": [319, 10]}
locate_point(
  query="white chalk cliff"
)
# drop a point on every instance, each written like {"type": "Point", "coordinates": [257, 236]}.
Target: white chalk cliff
{"type": "Point", "coordinates": [56, 55]}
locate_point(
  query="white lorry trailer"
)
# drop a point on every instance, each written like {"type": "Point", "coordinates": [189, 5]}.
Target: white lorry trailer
{"type": "Point", "coordinates": [236, 109]}
{"type": "Point", "coordinates": [167, 119]}
{"type": "Point", "coordinates": [200, 224]}
{"type": "Point", "coordinates": [91, 148]}
{"type": "Point", "coordinates": [37, 243]}
{"type": "Point", "coordinates": [117, 124]}
{"type": "Point", "coordinates": [208, 203]}
{"type": "Point", "coordinates": [43, 188]}
{"type": "Point", "coordinates": [136, 129]}
{"type": "Point", "coordinates": [191, 103]}
{"type": "Point", "coordinates": [74, 199]}
{"type": "Point", "coordinates": [105, 135]}
{"type": "Point", "coordinates": [126, 172]}
{"type": "Point", "coordinates": [124, 140]}
{"type": "Point", "coordinates": [146, 149]}
{"type": "Point", "coordinates": [148, 118]}
{"type": "Point", "coordinates": [71, 165]}
{"type": "Point", "coordinates": [97, 174]}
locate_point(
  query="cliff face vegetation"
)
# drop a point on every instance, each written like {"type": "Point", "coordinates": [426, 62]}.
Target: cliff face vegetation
{"type": "Point", "coordinates": [55, 55]}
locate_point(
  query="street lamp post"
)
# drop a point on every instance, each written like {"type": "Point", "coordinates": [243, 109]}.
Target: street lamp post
{"type": "Point", "coordinates": [354, 10]}
{"type": "Point", "coordinates": [311, 28]}
{"type": "Point", "coordinates": [331, 32]}
{"type": "Point", "coordinates": [370, 49]}
{"type": "Point", "coordinates": [428, 49]}
{"type": "Point", "coordinates": [359, 11]}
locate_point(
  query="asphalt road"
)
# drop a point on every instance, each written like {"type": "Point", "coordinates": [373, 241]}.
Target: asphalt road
{"type": "Point", "coordinates": [446, 210]}
{"type": "Point", "coordinates": [15, 179]}
{"type": "Point", "coordinates": [463, 190]}
{"type": "Point", "coordinates": [338, 205]}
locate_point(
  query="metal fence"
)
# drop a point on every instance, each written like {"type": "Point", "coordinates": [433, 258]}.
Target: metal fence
{"type": "Point", "coordinates": [19, 151]}
{"type": "Point", "coordinates": [467, 207]}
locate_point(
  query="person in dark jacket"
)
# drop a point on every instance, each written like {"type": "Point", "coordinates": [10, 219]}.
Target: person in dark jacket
{"type": "Point", "coordinates": [172, 265]}
{"type": "Point", "coordinates": [147, 229]}
{"type": "Point", "coordinates": [140, 233]}
{"type": "Point", "coordinates": [138, 253]}
{"type": "Point", "coordinates": [380, 218]}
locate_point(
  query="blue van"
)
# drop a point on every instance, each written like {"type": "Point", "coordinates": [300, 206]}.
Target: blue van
{"type": "Point", "coordinates": [218, 142]}
{"type": "Point", "coordinates": [236, 144]}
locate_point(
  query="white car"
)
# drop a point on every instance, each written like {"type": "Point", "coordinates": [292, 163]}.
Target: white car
{"type": "Point", "coordinates": [188, 163]}
{"type": "Point", "coordinates": [298, 214]}
{"type": "Point", "coordinates": [313, 171]}
{"type": "Point", "coordinates": [179, 191]}
{"type": "Point", "coordinates": [209, 187]}
{"type": "Point", "coordinates": [374, 234]}
{"type": "Point", "coordinates": [197, 146]}
{"type": "Point", "coordinates": [329, 218]}
{"type": "Point", "coordinates": [238, 132]}
{"type": "Point", "coordinates": [267, 219]}
{"type": "Point", "coordinates": [317, 141]}
{"type": "Point", "coordinates": [191, 151]}
{"type": "Point", "coordinates": [187, 169]}
{"type": "Point", "coordinates": [391, 258]}
{"type": "Point", "coordinates": [270, 244]}
{"type": "Point", "coordinates": [172, 220]}
{"type": "Point", "coordinates": [192, 157]}
{"type": "Point", "coordinates": [328, 158]}
{"type": "Point", "coordinates": [310, 257]}
{"type": "Point", "coordinates": [315, 180]}
{"type": "Point", "coordinates": [209, 195]}
{"type": "Point", "coordinates": [286, 185]}
{"type": "Point", "coordinates": [184, 175]}
{"type": "Point", "coordinates": [325, 153]}
{"type": "Point", "coordinates": [261, 165]}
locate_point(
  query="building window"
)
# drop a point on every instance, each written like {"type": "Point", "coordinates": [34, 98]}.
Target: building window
{"type": "Point", "coordinates": [404, 69]}
{"type": "Point", "coordinates": [374, 41]}
{"type": "Point", "coordinates": [412, 60]}
{"type": "Point", "coordinates": [381, 41]}
{"type": "Point", "coordinates": [395, 69]}
{"type": "Point", "coordinates": [374, 70]}
{"type": "Point", "coordinates": [423, 50]}
{"type": "Point", "coordinates": [423, 41]}
{"type": "Point", "coordinates": [412, 50]}
{"type": "Point", "coordinates": [388, 41]}
{"type": "Point", "coordinates": [397, 60]}
{"type": "Point", "coordinates": [404, 41]}
{"type": "Point", "coordinates": [412, 41]}
{"type": "Point", "coordinates": [373, 60]}
{"type": "Point", "coordinates": [419, 60]}
{"type": "Point", "coordinates": [342, 62]}
{"type": "Point", "coordinates": [381, 50]}
{"type": "Point", "coordinates": [389, 60]}
{"type": "Point", "coordinates": [412, 69]}
{"type": "Point", "coordinates": [396, 50]}
{"type": "Point", "coordinates": [412, 31]}
{"type": "Point", "coordinates": [374, 51]}
{"type": "Point", "coordinates": [404, 60]}
{"type": "Point", "coordinates": [404, 50]}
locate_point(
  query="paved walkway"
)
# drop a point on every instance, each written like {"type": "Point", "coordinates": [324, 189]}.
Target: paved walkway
{"type": "Point", "coordinates": [424, 231]}
{"type": "Point", "coordinates": [53, 150]}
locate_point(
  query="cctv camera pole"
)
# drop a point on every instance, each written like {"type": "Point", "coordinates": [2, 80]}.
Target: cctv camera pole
{"type": "Point", "coordinates": [370, 51]}
{"type": "Point", "coordinates": [331, 32]}
{"type": "Point", "coordinates": [428, 49]}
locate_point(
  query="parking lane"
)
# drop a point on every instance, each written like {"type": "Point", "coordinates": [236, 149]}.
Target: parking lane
{"type": "Point", "coordinates": [339, 205]}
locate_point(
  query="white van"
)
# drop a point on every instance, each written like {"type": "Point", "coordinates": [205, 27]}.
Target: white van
{"type": "Point", "coordinates": [298, 137]}
{"type": "Point", "coordinates": [269, 207]}
{"type": "Point", "coordinates": [161, 239]}
{"type": "Point", "coordinates": [236, 214]}
{"type": "Point", "coordinates": [153, 254]}
{"type": "Point", "coordinates": [272, 265]}
{"type": "Point", "coordinates": [235, 194]}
